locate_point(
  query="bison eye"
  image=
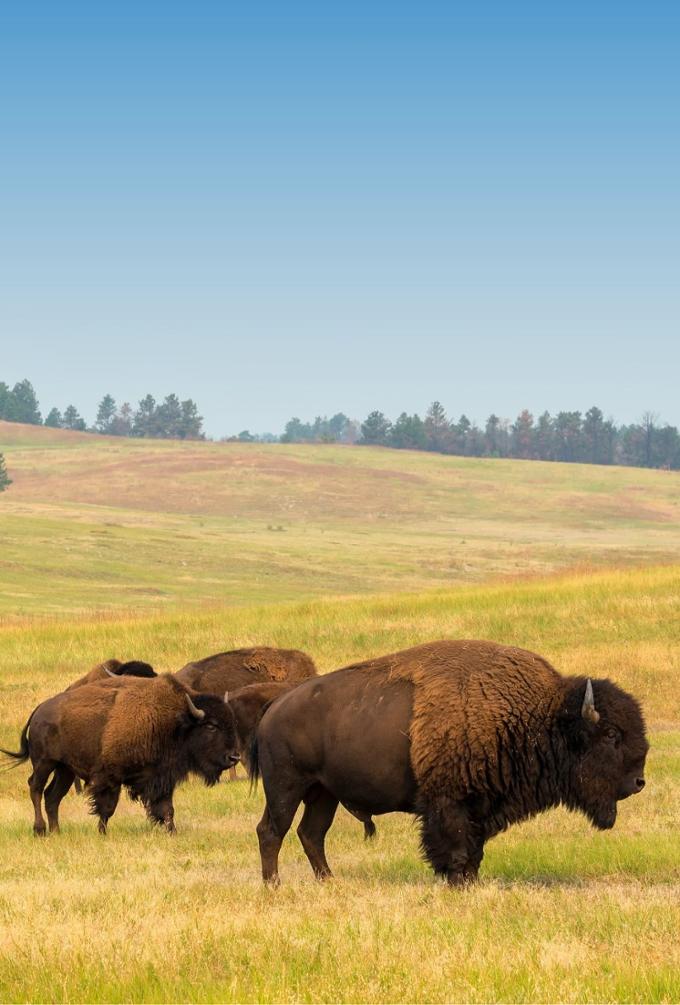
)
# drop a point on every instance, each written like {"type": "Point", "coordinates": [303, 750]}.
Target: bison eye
{"type": "Point", "coordinates": [211, 725]}
{"type": "Point", "coordinates": [611, 734]}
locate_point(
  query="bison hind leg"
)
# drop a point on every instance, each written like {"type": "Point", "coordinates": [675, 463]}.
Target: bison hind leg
{"type": "Point", "coordinates": [55, 792]}
{"type": "Point", "coordinates": [320, 807]}
{"type": "Point", "coordinates": [451, 842]}
{"type": "Point", "coordinates": [36, 786]}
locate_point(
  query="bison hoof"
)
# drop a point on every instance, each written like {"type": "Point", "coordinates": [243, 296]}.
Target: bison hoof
{"type": "Point", "coordinates": [102, 827]}
{"type": "Point", "coordinates": [40, 832]}
{"type": "Point", "coordinates": [273, 882]}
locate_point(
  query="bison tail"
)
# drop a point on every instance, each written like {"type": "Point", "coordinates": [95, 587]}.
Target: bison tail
{"type": "Point", "coordinates": [253, 764]}
{"type": "Point", "coordinates": [20, 755]}
{"type": "Point", "coordinates": [369, 830]}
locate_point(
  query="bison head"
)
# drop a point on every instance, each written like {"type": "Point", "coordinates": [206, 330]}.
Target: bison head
{"type": "Point", "coordinates": [210, 742]}
{"type": "Point", "coordinates": [605, 735]}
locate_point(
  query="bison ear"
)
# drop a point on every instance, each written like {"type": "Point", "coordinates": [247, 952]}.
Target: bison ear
{"type": "Point", "coordinates": [588, 710]}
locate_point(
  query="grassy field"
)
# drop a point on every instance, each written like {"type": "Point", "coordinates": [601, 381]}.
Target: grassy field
{"type": "Point", "coordinates": [562, 913]}
{"type": "Point", "coordinates": [97, 523]}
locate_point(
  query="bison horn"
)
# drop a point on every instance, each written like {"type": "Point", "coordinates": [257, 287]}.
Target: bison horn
{"type": "Point", "coordinates": [198, 713]}
{"type": "Point", "coordinates": [226, 697]}
{"type": "Point", "coordinates": [588, 710]}
{"type": "Point", "coordinates": [110, 672]}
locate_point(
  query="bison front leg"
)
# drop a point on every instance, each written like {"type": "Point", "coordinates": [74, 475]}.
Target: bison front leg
{"type": "Point", "coordinates": [104, 801]}
{"type": "Point", "coordinates": [452, 843]}
{"type": "Point", "coordinates": [161, 811]}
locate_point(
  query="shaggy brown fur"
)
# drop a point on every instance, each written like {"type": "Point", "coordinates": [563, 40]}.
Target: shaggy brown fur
{"type": "Point", "coordinates": [471, 702]}
{"type": "Point", "coordinates": [240, 667]}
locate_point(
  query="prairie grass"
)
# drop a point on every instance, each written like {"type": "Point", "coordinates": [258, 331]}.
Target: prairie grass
{"type": "Point", "coordinates": [562, 913]}
{"type": "Point", "coordinates": [104, 523]}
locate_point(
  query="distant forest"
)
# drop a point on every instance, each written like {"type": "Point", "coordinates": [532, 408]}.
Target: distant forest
{"type": "Point", "coordinates": [567, 436]}
{"type": "Point", "coordinates": [170, 419]}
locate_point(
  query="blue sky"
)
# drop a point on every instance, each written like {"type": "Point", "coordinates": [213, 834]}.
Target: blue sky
{"type": "Point", "coordinates": [284, 209]}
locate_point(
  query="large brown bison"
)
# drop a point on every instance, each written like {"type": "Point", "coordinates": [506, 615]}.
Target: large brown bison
{"type": "Point", "coordinates": [468, 736]}
{"type": "Point", "coordinates": [239, 667]}
{"type": "Point", "coordinates": [249, 705]}
{"type": "Point", "coordinates": [146, 735]}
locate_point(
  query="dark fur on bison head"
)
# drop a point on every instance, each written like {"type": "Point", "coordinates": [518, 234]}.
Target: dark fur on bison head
{"type": "Point", "coordinates": [210, 742]}
{"type": "Point", "coordinates": [605, 734]}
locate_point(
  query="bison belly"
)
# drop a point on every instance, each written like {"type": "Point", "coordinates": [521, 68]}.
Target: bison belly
{"type": "Point", "coordinates": [347, 733]}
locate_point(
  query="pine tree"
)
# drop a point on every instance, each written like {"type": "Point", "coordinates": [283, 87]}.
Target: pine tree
{"type": "Point", "coordinates": [437, 430]}
{"type": "Point", "coordinates": [375, 430]}
{"type": "Point", "coordinates": [191, 423]}
{"type": "Point", "coordinates": [54, 419]}
{"type": "Point", "coordinates": [144, 422]}
{"type": "Point", "coordinates": [105, 414]}
{"type": "Point", "coordinates": [72, 419]}
{"type": "Point", "coordinates": [5, 480]}
{"type": "Point", "coordinates": [26, 403]}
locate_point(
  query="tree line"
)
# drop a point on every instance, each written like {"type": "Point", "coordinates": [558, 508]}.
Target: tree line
{"type": "Point", "coordinates": [567, 436]}
{"type": "Point", "coordinates": [169, 419]}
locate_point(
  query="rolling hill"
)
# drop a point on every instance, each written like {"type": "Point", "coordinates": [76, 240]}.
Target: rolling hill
{"type": "Point", "coordinates": [106, 524]}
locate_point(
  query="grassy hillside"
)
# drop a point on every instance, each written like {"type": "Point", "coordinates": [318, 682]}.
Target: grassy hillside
{"type": "Point", "coordinates": [97, 523]}
{"type": "Point", "coordinates": [562, 913]}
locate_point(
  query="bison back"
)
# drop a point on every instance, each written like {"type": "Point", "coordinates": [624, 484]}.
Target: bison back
{"type": "Point", "coordinates": [240, 667]}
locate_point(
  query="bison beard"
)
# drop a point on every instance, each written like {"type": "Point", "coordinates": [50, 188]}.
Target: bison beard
{"type": "Point", "coordinates": [468, 736]}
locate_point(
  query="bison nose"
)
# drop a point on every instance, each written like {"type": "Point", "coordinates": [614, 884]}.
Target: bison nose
{"type": "Point", "coordinates": [639, 784]}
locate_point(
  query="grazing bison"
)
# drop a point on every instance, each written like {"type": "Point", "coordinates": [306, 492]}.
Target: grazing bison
{"type": "Point", "coordinates": [114, 668]}
{"type": "Point", "coordinates": [145, 735]}
{"type": "Point", "coordinates": [468, 736]}
{"type": "Point", "coordinates": [239, 667]}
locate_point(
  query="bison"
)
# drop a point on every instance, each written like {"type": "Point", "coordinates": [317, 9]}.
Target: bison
{"type": "Point", "coordinates": [114, 668]}
{"type": "Point", "coordinates": [146, 735]}
{"type": "Point", "coordinates": [468, 736]}
{"type": "Point", "coordinates": [239, 667]}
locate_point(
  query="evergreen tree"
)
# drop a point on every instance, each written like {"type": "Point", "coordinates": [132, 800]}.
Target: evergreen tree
{"type": "Point", "coordinates": [543, 438]}
{"type": "Point", "coordinates": [105, 414]}
{"type": "Point", "coordinates": [191, 423]}
{"type": "Point", "coordinates": [492, 436]}
{"type": "Point", "coordinates": [144, 422]}
{"type": "Point", "coordinates": [437, 432]}
{"type": "Point", "coordinates": [375, 430]}
{"type": "Point", "coordinates": [54, 419]}
{"type": "Point", "coordinates": [121, 423]}
{"type": "Point", "coordinates": [72, 420]}
{"type": "Point", "coordinates": [26, 403]}
{"type": "Point", "coordinates": [5, 480]}
{"type": "Point", "coordinates": [523, 435]}
{"type": "Point", "coordinates": [169, 418]}
{"type": "Point", "coordinates": [458, 436]}
{"type": "Point", "coordinates": [8, 405]}
{"type": "Point", "coordinates": [408, 433]}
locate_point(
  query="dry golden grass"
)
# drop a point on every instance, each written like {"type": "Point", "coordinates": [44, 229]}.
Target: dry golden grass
{"type": "Point", "coordinates": [562, 913]}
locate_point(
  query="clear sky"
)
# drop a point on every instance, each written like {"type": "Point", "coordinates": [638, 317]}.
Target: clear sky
{"type": "Point", "coordinates": [292, 208]}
